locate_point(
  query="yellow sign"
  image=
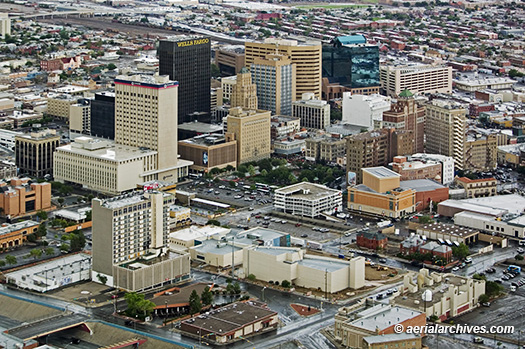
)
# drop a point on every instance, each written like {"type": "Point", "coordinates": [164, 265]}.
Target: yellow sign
{"type": "Point", "coordinates": [193, 42]}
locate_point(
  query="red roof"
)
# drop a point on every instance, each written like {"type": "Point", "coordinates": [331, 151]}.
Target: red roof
{"type": "Point", "coordinates": [468, 180]}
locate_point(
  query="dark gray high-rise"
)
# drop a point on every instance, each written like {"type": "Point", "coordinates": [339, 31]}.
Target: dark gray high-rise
{"type": "Point", "coordinates": [103, 115]}
{"type": "Point", "coordinates": [188, 61]}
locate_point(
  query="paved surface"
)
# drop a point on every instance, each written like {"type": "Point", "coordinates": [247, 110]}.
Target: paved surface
{"type": "Point", "coordinates": [53, 324]}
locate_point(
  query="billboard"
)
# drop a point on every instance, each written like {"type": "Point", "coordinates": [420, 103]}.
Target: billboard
{"type": "Point", "coordinates": [352, 178]}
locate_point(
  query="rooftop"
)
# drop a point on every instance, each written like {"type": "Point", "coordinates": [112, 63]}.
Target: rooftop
{"type": "Point", "coordinates": [200, 127]}
{"type": "Point", "coordinates": [421, 185]}
{"type": "Point", "coordinates": [219, 247]}
{"type": "Point", "coordinates": [128, 199]}
{"type": "Point", "coordinates": [105, 150]}
{"type": "Point", "coordinates": [197, 232]}
{"type": "Point", "coordinates": [384, 338]}
{"type": "Point", "coordinates": [324, 265]}
{"type": "Point", "coordinates": [306, 190]}
{"type": "Point", "coordinates": [480, 180]}
{"type": "Point", "coordinates": [381, 172]}
{"type": "Point", "coordinates": [382, 316]}
{"type": "Point", "coordinates": [274, 251]}
{"type": "Point", "coordinates": [8, 228]}
{"type": "Point", "coordinates": [449, 229]}
{"type": "Point", "coordinates": [179, 296]}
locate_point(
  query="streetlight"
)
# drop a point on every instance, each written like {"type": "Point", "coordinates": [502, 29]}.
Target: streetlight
{"type": "Point", "coordinates": [264, 288]}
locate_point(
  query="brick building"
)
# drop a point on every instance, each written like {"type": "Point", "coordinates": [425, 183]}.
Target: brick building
{"type": "Point", "coordinates": [427, 191]}
{"type": "Point", "coordinates": [372, 241]}
{"type": "Point", "coordinates": [441, 251]}
{"type": "Point", "coordinates": [21, 197]}
{"type": "Point", "coordinates": [410, 170]}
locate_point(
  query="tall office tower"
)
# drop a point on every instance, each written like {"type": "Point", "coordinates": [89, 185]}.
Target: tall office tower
{"type": "Point", "coordinates": [103, 115]}
{"type": "Point", "coordinates": [129, 227]}
{"type": "Point", "coordinates": [244, 93]}
{"type": "Point", "coordinates": [406, 114]}
{"type": "Point", "coordinates": [145, 109]}
{"type": "Point", "coordinates": [375, 148]}
{"type": "Point", "coordinates": [418, 78]}
{"type": "Point", "coordinates": [188, 62]}
{"type": "Point", "coordinates": [364, 111]}
{"type": "Point", "coordinates": [80, 116]}
{"type": "Point", "coordinates": [5, 25]}
{"type": "Point", "coordinates": [251, 129]}
{"type": "Point", "coordinates": [230, 59]}
{"type": "Point", "coordinates": [306, 57]}
{"type": "Point", "coordinates": [275, 80]}
{"type": "Point", "coordinates": [34, 152]}
{"type": "Point", "coordinates": [313, 113]}
{"type": "Point", "coordinates": [445, 130]}
{"type": "Point", "coordinates": [350, 64]}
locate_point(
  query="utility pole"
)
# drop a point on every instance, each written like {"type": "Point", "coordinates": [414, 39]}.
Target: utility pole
{"type": "Point", "coordinates": [233, 258]}
{"type": "Point", "coordinates": [326, 284]}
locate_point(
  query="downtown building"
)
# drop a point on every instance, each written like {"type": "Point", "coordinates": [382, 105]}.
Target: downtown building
{"type": "Point", "coordinates": [306, 58]}
{"type": "Point", "coordinates": [187, 61]}
{"type": "Point", "coordinates": [34, 152]}
{"type": "Point", "coordinates": [417, 78]}
{"type": "Point", "coordinates": [145, 146]}
{"type": "Point", "coordinates": [130, 242]}
{"type": "Point", "coordinates": [313, 113]}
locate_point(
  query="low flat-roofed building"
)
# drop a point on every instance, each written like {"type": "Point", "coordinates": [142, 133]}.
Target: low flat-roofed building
{"type": "Point", "coordinates": [13, 235]}
{"type": "Point", "coordinates": [52, 274]}
{"type": "Point", "coordinates": [352, 327]}
{"type": "Point", "coordinates": [20, 197]}
{"type": "Point", "coordinates": [179, 216]}
{"type": "Point", "coordinates": [308, 199]}
{"type": "Point", "coordinates": [231, 323]}
{"type": "Point", "coordinates": [289, 147]}
{"type": "Point", "coordinates": [209, 151]}
{"type": "Point", "coordinates": [193, 129]}
{"type": "Point", "coordinates": [292, 264]}
{"type": "Point", "coordinates": [218, 253]}
{"type": "Point", "coordinates": [496, 206]}
{"type": "Point", "coordinates": [495, 83]}
{"type": "Point", "coordinates": [452, 295]}
{"type": "Point", "coordinates": [185, 238]}
{"type": "Point", "coordinates": [175, 301]}
{"type": "Point", "coordinates": [427, 192]}
{"type": "Point", "coordinates": [508, 225]}
{"type": "Point", "coordinates": [393, 340]}
{"type": "Point", "coordinates": [450, 232]}
{"type": "Point", "coordinates": [410, 170]}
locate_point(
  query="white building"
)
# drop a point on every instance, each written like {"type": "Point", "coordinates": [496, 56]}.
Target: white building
{"type": "Point", "coordinates": [447, 164]}
{"type": "Point", "coordinates": [495, 83]}
{"type": "Point", "coordinates": [7, 138]}
{"type": "Point", "coordinates": [418, 78]}
{"type": "Point", "coordinates": [364, 111]}
{"type": "Point", "coordinates": [314, 113]}
{"type": "Point", "coordinates": [308, 199]}
{"type": "Point", "coordinates": [5, 25]}
{"type": "Point", "coordinates": [512, 225]}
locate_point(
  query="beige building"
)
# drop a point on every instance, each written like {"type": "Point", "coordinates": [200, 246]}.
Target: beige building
{"type": "Point", "coordinates": [209, 151]}
{"type": "Point", "coordinates": [452, 295]}
{"type": "Point", "coordinates": [80, 117]}
{"type": "Point", "coordinates": [5, 25]}
{"type": "Point", "coordinates": [130, 242]}
{"type": "Point", "coordinates": [244, 93]}
{"type": "Point", "coordinates": [183, 239]}
{"type": "Point", "coordinates": [34, 152]}
{"type": "Point", "coordinates": [60, 106]}
{"type": "Point", "coordinates": [308, 199]}
{"type": "Point", "coordinates": [230, 59]}
{"type": "Point", "coordinates": [445, 130]}
{"type": "Point", "coordinates": [313, 113]}
{"type": "Point", "coordinates": [416, 78]}
{"type": "Point", "coordinates": [306, 57]}
{"type": "Point", "coordinates": [292, 264]}
{"type": "Point", "coordinates": [481, 153]}
{"type": "Point", "coordinates": [251, 129]}
{"type": "Point", "coordinates": [475, 188]}
{"type": "Point", "coordinates": [101, 165]}
{"type": "Point", "coordinates": [325, 148]}
{"type": "Point", "coordinates": [228, 86]}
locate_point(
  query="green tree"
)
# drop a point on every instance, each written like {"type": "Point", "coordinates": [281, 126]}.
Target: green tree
{"type": "Point", "coordinates": [60, 201]}
{"type": "Point", "coordinates": [41, 230]}
{"type": "Point", "coordinates": [335, 114]}
{"type": "Point", "coordinates": [206, 296]}
{"type": "Point", "coordinates": [195, 303]}
{"type": "Point", "coordinates": [137, 305]}
{"type": "Point", "coordinates": [479, 277]}
{"type": "Point", "coordinates": [492, 288]}
{"type": "Point", "coordinates": [518, 257]}
{"type": "Point", "coordinates": [286, 284]}
{"type": "Point", "coordinates": [49, 251]}
{"type": "Point", "coordinates": [213, 222]}
{"type": "Point", "coordinates": [233, 184]}
{"type": "Point", "coordinates": [483, 298]}
{"type": "Point", "coordinates": [102, 279]}
{"type": "Point", "coordinates": [78, 241]}
{"type": "Point", "coordinates": [36, 253]}
{"type": "Point", "coordinates": [251, 170]}
{"type": "Point", "coordinates": [425, 219]}
{"type": "Point", "coordinates": [264, 173]}
{"type": "Point", "coordinates": [42, 215]}
{"type": "Point", "coordinates": [10, 259]}
{"type": "Point", "coordinates": [64, 247]}
{"type": "Point", "coordinates": [111, 66]}
{"type": "Point", "coordinates": [460, 251]}
{"type": "Point", "coordinates": [2, 263]}
{"type": "Point", "coordinates": [251, 277]}
{"type": "Point", "coordinates": [144, 20]}
{"type": "Point", "coordinates": [236, 288]}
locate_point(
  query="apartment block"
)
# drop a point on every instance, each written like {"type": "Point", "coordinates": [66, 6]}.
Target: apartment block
{"type": "Point", "coordinates": [19, 197]}
{"type": "Point", "coordinates": [407, 115]}
{"type": "Point", "coordinates": [34, 152]}
{"type": "Point", "coordinates": [274, 77]}
{"type": "Point", "coordinates": [476, 188]}
{"type": "Point", "coordinates": [228, 86]}
{"type": "Point", "coordinates": [325, 149]}
{"type": "Point", "coordinates": [306, 57]}
{"type": "Point", "coordinates": [251, 130]}
{"type": "Point", "coordinates": [130, 242]}
{"type": "Point", "coordinates": [60, 106]}
{"type": "Point", "coordinates": [445, 130]}
{"type": "Point", "coordinates": [80, 117]}
{"type": "Point", "coordinates": [416, 78]}
{"type": "Point", "coordinates": [481, 152]}
{"type": "Point", "coordinates": [313, 113]}
{"type": "Point", "coordinates": [5, 25]}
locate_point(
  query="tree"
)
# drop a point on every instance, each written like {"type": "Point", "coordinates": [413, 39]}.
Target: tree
{"type": "Point", "coordinates": [483, 298]}
{"type": "Point", "coordinates": [111, 66]}
{"type": "Point", "coordinates": [137, 305]}
{"type": "Point", "coordinates": [36, 253]}
{"type": "Point", "coordinates": [251, 170]}
{"type": "Point", "coordinates": [78, 241]}
{"type": "Point", "coordinates": [286, 284]}
{"type": "Point", "coordinates": [64, 247]}
{"type": "Point", "coordinates": [335, 114]}
{"type": "Point", "coordinates": [460, 251]}
{"type": "Point", "coordinates": [251, 277]}
{"type": "Point", "coordinates": [213, 222]}
{"type": "Point", "coordinates": [492, 288]}
{"type": "Point", "coordinates": [236, 288]}
{"type": "Point", "coordinates": [60, 201]}
{"type": "Point", "coordinates": [518, 257]}
{"type": "Point", "coordinates": [10, 259]}
{"type": "Point", "coordinates": [195, 303]}
{"type": "Point", "coordinates": [42, 230]}
{"type": "Point", "coordinates": [49, 251]}
{"type": "Point", "coordinates": [2, 263]}
{"type": "Point", "coordinates": [424, 219]}
{"type": "Point", "coordinates": [479, 277]}
{"type": "Point", "coordinates": [102, 278]}
{"type": "Point", "coordinates": [215, 71]}
{"type": "Point", "coordinates": [206, 296]}
{"type": "Point", "coordinates": [144, 20]}
{"type": "Point", "coordinates": [42, 215]}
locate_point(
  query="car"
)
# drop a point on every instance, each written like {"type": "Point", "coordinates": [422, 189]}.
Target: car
{"type": "Point", "coordinates": [324, 230]}
{"type": "Point", "coordinates": [455, 269]}
{"type": "Point", "coordinates": [462, 265]}
{"type": "Point", "coordinates": [389, 292]}
{"type": "Point", "coordinates": [266, 218]}
{"type": "Point", "coordinates": [128, 322]}
{"type": "Point", "coordinates": [297, 224]}
{"type": "Point", "coordinates": [382, 260]}
{"type": "Point", "coordinates": [520, 250]}
{"type": "Point", "coordinates": [478, 340]}
{"type": "Point", "coordinates": [468, 260]}
{"type": "Point", "coordinates": [490, 271]}
{"type": "Point", "coordinates": [505, 278]}
{"type": "Point", "coordinates": [222, 186]}
{"type": "Point", "coordinates": [379, 296]}
{"type": "Point", "coordinates": [284, 222]}
{"type": "Point", "coordinates": [304, 235]}
{"type": "Point", "coordinates": [498, 281]}
{"type": "Point", "coordinates": [486, 304]}
{"type": "Point", "coordinates": [251, 208]}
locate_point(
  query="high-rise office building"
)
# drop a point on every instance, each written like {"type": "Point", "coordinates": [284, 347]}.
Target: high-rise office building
{"type": "Point", "coordinates": [5, 25]}
{"type": "Point", "coordinates": [187, 61]}
{"type": "Point", "coordinates": [418, 78]}
{"type": "Point", "coordinates": [445, 130]}
{"type": "Point", "coordinates": [144, 115]}
{"type": "Point", "coordinates": [313, 113]}
{"type": "Point", "coordinates": [34, 152]}
{"type": "Point", "coordinates": [306, 57]}
{"type": "Point", "coordinates": [80, 116]}
{"type": "Point", "coordinates": [230, 59]}
{"type": "Point", "coordinates": [251, 129]}
{"type": "Point", "coordinates": [375, 148]}
{"type": "Point", "coordinates": [274, 77]}
{"type": "Point", "coordinates": [350, 64]}
{"type": "Point", "coordinates": [244, 92]}
{"type": "Point", "coordinates": [131, 227]}
{"type": "Point", "coordinates": [406, 114]}
{"type": "Point", "coordinates": [103, 115]}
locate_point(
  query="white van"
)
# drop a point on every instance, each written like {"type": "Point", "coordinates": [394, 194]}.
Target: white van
{"type": "Point", "coordinates": [522, 243]}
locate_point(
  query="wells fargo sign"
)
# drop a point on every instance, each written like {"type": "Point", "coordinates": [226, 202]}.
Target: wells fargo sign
{"type": "Point", "coordinates": [193, 42]}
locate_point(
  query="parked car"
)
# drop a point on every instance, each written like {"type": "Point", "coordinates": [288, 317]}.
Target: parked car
{"type": "Point", "coordinates": [490, 271]}
{"type": "Point", "coordinates": [382, 260]}
{"type": "Point", "coordinates": [468, 260]}
{"type": "Point", "coordinates": [455, 269]}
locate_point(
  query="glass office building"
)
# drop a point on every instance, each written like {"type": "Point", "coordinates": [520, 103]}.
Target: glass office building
{"type": "Point", "coordinates": [350, 62]}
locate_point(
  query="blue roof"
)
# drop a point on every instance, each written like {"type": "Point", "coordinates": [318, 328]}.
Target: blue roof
{"type": "Point", "coordinates": [351, 39]}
